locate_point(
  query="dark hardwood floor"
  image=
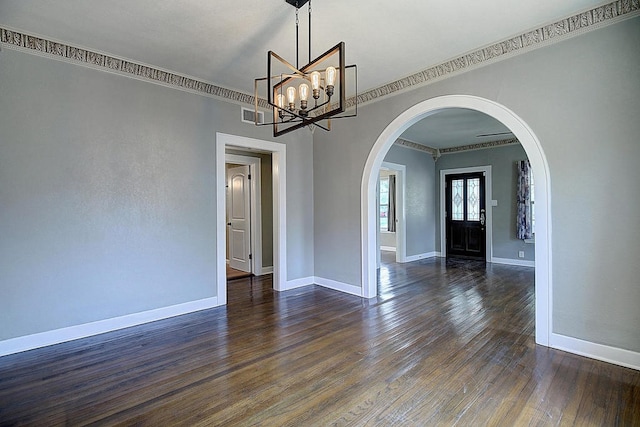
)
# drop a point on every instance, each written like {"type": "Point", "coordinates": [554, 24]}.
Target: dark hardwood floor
{"type": "Point", "coordinates": [443, 344]}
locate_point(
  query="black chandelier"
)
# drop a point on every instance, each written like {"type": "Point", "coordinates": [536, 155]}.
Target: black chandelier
{"type": "Point", "coordinates": [307, 95]}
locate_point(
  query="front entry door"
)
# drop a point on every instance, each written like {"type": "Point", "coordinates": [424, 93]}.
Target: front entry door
{"type": "Point", "coordinates": [238, 218]}
{"type": "Point", "coordinates": [466, 216]}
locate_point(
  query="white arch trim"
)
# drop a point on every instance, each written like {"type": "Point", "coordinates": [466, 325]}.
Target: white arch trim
{"type": "Point", "coordinates": [530, 143]}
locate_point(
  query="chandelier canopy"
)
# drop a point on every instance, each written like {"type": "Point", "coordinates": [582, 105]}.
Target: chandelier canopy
{"type": "Point", "coordinates": [307, 95]}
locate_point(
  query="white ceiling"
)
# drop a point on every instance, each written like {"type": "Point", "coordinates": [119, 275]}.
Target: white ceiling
{"type": "Point", "coordinates": [456, 127]}
{"type": "Point", "coordinates": [226, 42]}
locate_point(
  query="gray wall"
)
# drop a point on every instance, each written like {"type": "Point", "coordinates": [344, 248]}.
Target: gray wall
{"type": "Point", "coordinates": [388, 239]}
{"type": "Point", "coordinates": [420, 198]}
{"type": "Point", "coordinates": [503, 171]}
{"type": "Point", "coordinates": [581, 98]}
{"type": "Point", "coordinates": [107, 195]}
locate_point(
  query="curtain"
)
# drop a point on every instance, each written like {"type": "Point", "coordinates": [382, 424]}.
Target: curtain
{"type": "Point", "coordinates": [523, 200]}
{"type": "Point", "coordinates": [391, 224]}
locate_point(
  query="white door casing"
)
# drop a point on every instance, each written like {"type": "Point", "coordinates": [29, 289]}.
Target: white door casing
{"type": "Point", "coordinates": [279, 160]}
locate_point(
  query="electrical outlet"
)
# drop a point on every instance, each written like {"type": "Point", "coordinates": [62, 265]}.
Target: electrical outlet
{"type": "Point", "coordinates": [521, 254]}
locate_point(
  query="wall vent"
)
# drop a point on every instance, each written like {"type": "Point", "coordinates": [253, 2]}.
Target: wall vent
{"type": "Point", "coordinates": [249, 116]}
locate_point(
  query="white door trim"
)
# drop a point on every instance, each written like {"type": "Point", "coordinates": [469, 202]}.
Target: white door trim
{"type": "Point", "coordinates": [279, 163]}
{"type": "Point", "coordinates": [535, 153]}
{"type": "Point", "coordinates": [255, 166]}
{"type": "Point", "coordinates": [401, 226]}
{"type": "Point", "coordinates": [487, 200]}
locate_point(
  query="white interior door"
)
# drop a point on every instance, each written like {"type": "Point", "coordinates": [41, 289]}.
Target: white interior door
{"type": "Point", "coordinates": [239, 218]}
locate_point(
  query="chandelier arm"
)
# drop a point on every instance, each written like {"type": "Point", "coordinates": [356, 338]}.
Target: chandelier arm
{"type": "Point", "coordinates": [290, 119]}
{"type": "Point", "coordinates": [320, 126]}
{"type": "Point", "coordinates": [286, 63]}
{"type": "Point", "coordinates": [303, 122]}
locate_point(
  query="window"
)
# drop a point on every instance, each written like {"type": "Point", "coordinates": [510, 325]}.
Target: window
{"type": "Point", "coordinates": [457, 199]}
{"type": "Point", "coordinates": [472, 199]}
{"type": "Point", "coordinates": [384, 203]}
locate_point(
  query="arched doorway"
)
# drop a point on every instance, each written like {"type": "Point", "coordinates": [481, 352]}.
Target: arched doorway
{"type": "Point", "coordinates": [540, 168]}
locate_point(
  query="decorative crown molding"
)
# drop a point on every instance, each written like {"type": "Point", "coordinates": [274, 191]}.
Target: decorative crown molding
{"type": "Point", "coordinates": [415, 146]}
{"type": "Point", "coordinates": [39, 46]}
{"type": "Point", "coordinates": [542, 36]}
{"type": "Point", "coordinates": [577, 24]}
{"type": "Point", "coordinates": [480, 146]}
{"type": "Point", "coordinates": [437, 152]}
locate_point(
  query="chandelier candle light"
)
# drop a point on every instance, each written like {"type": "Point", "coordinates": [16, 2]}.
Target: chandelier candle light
{"type": "Point", "coordinates": [307, 95]}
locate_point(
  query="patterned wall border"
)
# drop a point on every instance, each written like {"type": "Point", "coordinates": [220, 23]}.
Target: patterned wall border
{"type": "Point", "coordinates": [43, 47]}
{"type": "Point", "coordinates": [480, 146]}
{"type": "Point", "coordinates": [415, 146]}
{"type": "Point", "coordinates": [576, 24]}
{"type": "Point", "coordinates": [436, 153]}
{"type": "Point", "coordinates": [547, 34]}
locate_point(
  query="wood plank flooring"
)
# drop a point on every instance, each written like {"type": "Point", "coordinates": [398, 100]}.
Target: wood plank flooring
{"type": "Point", "coordinates": [233, 274]}
{"type": "Point", "coordinates": [445, 343]}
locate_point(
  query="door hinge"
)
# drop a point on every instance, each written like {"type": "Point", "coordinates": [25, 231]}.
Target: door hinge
{"type": "Point", "coordinates": [250, 256]}
{"type": "Point", "coordinates": [249, 176]}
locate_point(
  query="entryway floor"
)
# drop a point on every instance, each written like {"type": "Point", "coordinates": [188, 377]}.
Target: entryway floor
{"type": "Point", "coordinates": [233, 274]}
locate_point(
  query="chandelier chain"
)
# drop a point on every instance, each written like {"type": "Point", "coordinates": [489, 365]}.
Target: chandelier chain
{"type": "Point", "coordinates": [297, 38]}
{"type": "Point", "coordinates": [309, 30]}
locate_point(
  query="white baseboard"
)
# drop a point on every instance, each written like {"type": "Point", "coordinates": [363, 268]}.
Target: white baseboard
{"type": "Point", "coordinates": [388, 248]}
{"type": "Point", "coordinates": [617, 356]}
{"type": "Point", "coordinates": [410, 258]}
{"type": "Point", "coordinates": [518, 262]}
{"type": "Point", "coordinates": [339, 286]}
{"type": "Point", "coordinates": [298, 283]}
{"type": "Point", "coordinates": [57, 336]}
{"type": "Point", "coordinates": [265, 271]}
{"type": "Point", "coordinates": [325, 283]}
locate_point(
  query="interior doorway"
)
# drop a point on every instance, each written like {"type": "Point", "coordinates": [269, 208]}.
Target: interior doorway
{"type": "Point", "coordinates": [278, 159]}
{"type": "Point", "coordinates": [249, 213]}
{"type": "Point", "coordinates": [398, 237]}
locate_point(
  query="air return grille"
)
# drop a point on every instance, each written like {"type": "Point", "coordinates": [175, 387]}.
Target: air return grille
{"type": "Point", "coordinates": [249, 116]}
